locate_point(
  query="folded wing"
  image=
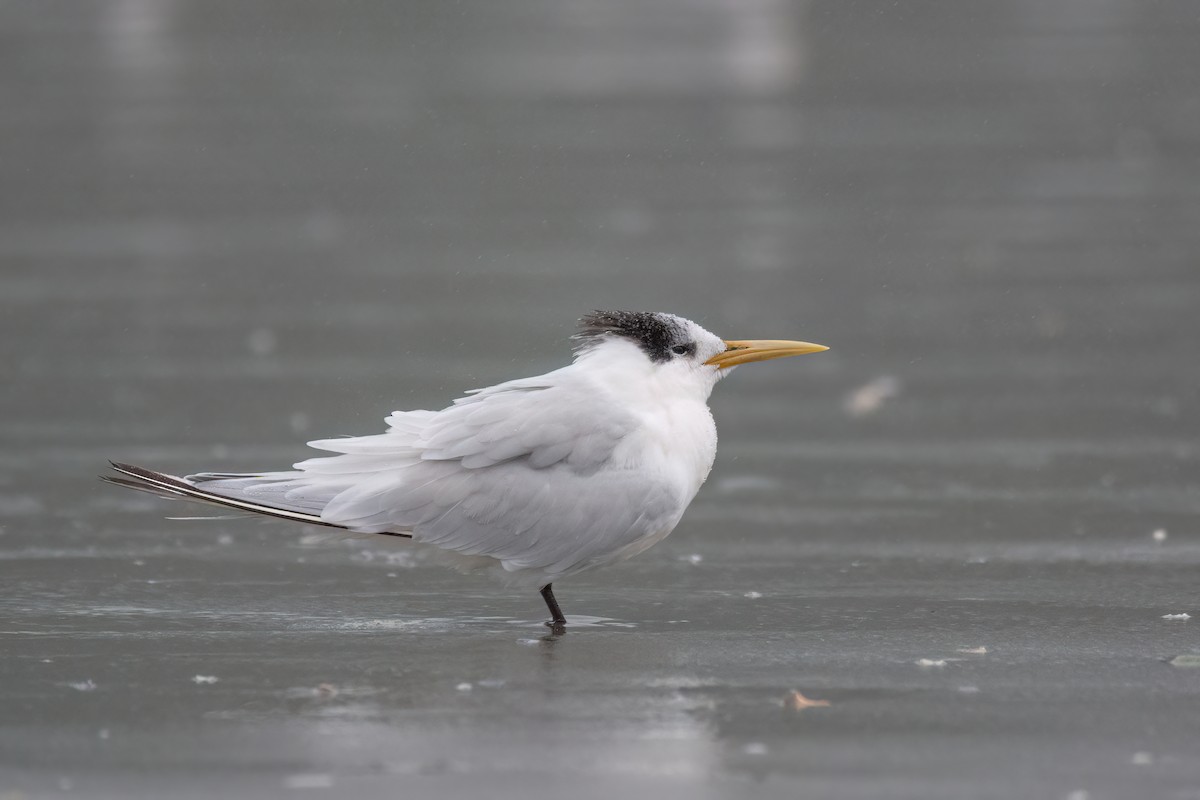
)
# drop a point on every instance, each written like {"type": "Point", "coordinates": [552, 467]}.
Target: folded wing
{"type": "Point", "coordinates": [526, 472]}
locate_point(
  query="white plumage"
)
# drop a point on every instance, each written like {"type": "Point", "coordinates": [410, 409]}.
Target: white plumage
{"type": "Point", "coordinates": [540, 477]}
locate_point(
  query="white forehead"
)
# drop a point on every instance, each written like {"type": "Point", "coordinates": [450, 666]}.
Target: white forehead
{"type": "Point", "coordinates": [704, 339]}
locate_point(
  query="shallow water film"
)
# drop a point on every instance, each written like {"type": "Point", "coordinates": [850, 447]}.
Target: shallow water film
{"type": "Point", "coordinates": [954, 557]}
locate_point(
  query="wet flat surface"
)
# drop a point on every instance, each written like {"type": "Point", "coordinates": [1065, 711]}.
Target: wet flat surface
{"type": "Point", "coordinates": [228, 228]}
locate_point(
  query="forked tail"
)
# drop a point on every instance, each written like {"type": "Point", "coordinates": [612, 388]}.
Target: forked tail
{"type": "Point", "coordinates": [173, 487]}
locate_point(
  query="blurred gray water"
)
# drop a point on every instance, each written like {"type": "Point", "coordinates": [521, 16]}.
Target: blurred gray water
{"type": "Point", "coordinates": [227, 228]}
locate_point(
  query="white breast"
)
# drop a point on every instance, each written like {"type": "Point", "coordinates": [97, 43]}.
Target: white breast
{"type": "Point", "coordinates": [673, 448]}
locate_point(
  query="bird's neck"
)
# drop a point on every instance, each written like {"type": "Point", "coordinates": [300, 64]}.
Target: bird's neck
{"type": "Point", "coordinates": [677, 439]}
{"type": "Point", "coordinates": [620, 368]}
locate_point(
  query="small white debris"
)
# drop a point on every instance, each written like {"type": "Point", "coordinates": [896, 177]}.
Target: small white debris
{"type": "Point", "coordinates": [492, 683]}
{"type": "Point", "coordinates": [1159, 535]}
{"type": "Point", "coordinates": [755, 749]}
{"type": "Point", "coordinates": [693, 558]}
{"type": "Point", "coordinates": [103, 733]}
{"type": "Point", "coordinates": [1142, 759]}
{"type": "Point", "coordinates": [225, 539]}
{"type": "Point", "coordinates": [464, 687]}
{"type": "Point", "coordinates": [928, 663]}
{"type": "Point", "coordinates": [973, 651]}
{"type": "Point", "coordinates": [139, 562]}
{"type": "Point", "coordinates": [308, 781]}
{"type": "Point", "coordinates": [1186, 661]}
{"type": "Point", "coordinates": [83, 686]}
{"type": "Point", "coordinates": [528, 642]}
{"type": "Point", "coordinates": [968, 690]}
{"type": "Point", "coordinates": [1179, 617]}
{"type": "Point", "coordinates": [870, 397]}
{"type": "Point", "coordinates": [753, 595]}
{"type": "Point", "coordinates": [209, 679]}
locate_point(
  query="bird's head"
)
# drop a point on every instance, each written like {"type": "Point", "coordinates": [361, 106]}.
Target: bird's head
{"type": "Point", "coordinates": [673, 348]}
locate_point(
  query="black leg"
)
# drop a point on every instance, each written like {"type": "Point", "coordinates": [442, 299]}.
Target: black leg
{"type": "Point", "coordinates": [558, 625]}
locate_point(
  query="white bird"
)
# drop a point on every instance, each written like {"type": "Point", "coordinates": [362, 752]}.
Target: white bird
{"type": "Point", "coordinates": [536, 479]}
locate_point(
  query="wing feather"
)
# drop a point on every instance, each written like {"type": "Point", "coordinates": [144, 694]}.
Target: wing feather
{"type": "Point", "coordinates": [526, 472]}
{"type": "Point", "coordinates": [543, 421]}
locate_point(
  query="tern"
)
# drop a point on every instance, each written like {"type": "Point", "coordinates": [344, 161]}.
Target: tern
{"type": "Point", "coordinates": [535, 479]}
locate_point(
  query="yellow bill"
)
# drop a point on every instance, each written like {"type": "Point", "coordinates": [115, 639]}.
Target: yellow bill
{"type": "Point", "coordinates": [746, 351]}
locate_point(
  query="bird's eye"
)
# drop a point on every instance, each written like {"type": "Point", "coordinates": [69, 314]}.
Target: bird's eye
{"type": "Point", "coordinates": [682, 349]}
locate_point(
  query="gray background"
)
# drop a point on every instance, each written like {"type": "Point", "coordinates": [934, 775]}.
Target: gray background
{"type": "Point", "coordinates": [227, 227]}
